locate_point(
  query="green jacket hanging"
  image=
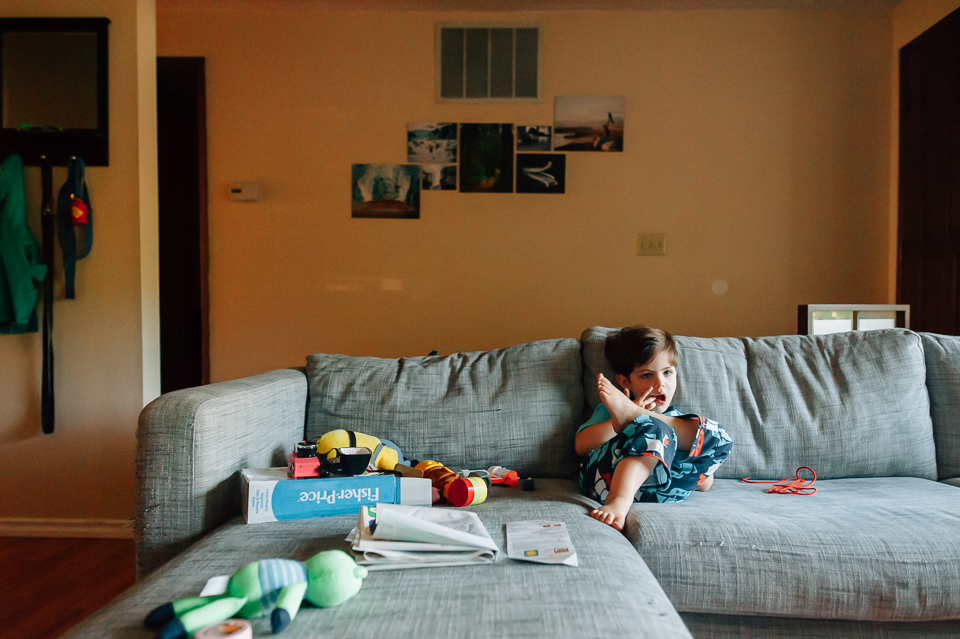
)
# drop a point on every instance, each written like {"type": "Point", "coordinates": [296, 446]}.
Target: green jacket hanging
{"type": "Point", "coordinates": [21, 272]}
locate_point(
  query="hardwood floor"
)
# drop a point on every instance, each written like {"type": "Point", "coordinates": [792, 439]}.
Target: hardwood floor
{"type": "Point", "coordinates": [49, 585]}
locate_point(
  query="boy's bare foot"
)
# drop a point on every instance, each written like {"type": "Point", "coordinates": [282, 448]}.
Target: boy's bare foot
{"type": "Point", "coordinates": [614, 512]}
{"type": "Point", "coordinates": [622, 409]}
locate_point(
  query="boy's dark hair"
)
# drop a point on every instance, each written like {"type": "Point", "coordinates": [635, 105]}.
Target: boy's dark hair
{"type": "Point", "coordinates": [635, 346]}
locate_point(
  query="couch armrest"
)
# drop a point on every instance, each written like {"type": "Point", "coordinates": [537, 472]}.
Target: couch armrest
{"type": "Point", "coordinates": [190, 445]}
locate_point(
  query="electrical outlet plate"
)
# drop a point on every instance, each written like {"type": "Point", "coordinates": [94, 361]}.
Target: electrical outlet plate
{"type": "Point", "coordinates": [651, 244]}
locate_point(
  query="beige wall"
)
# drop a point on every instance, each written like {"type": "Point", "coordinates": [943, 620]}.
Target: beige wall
{"type": "Point", "coordinates": [913, 17]}
{"type": "Point", "coordinates": [85, 470]}
{"type": "Point", "coordinates": [910, 19]}
{"type": "Point", "coordinates": [762, 142]}
{"type": "Point", "coordinates": [756, 139]}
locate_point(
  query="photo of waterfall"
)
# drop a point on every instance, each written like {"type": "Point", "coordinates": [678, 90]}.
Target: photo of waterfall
{"type": "Point", "coordinates": [437, 177]}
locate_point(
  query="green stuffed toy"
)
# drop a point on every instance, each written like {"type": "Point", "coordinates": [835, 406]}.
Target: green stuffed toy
{"type": "Point", "coordinates": [271, 586]}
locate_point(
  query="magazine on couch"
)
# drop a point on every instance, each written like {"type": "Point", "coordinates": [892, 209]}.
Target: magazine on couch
{"type": "Point", "coordinates": [392, 536]}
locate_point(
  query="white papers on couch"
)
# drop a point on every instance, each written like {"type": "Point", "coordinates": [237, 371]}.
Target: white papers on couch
{"type": "Point", "coordinates": [544, 542]}
{"type": "Point", "coordinates": [390, 536]}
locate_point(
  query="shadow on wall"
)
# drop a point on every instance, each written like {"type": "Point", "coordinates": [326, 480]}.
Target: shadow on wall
{"type": "Point", "coordinates": [26, 387]}
{"type": "Point", "coordinates": [27, 429]}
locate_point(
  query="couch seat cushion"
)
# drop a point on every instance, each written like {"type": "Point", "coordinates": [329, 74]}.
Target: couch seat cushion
{"type": "Point", "coordinates": [518, 407]}
{"type": "Point", "coordinates": [886, 549]}
{"type": "Point", "coordinates": [611, 593]}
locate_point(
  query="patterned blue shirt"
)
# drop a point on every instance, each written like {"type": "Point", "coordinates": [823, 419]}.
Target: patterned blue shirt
{"type": "Point", "coordinates": [274, 575]}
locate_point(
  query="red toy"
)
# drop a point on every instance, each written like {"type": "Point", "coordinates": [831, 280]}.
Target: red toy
{"type": "Point", "coordinates": [501, 475]}
{"type": "Point", "coordinates": [303, 461]}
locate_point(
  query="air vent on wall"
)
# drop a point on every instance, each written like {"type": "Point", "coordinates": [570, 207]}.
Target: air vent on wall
{"type": "Point", "coordinates": [488, 62]}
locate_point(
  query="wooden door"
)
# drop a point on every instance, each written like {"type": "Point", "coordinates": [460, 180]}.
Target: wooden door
{"type": "Point", "coordinates": [182, 182]}
{"type": "Point", "coordinates": [929, 235]}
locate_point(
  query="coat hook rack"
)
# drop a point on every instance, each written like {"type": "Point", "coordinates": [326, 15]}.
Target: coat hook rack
{"type": "Point", "coordinates": [73, 133]}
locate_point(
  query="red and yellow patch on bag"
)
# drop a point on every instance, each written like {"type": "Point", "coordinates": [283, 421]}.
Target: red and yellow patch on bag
{"type": "Point", "coordinates": [78, 211]}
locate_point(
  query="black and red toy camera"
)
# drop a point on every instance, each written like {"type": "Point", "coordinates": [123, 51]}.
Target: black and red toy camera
{"type": "Point", "coordinates": [303, 461]}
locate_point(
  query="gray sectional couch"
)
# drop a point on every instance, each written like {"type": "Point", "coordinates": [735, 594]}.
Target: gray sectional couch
{"type": "Point", "coordinates": [874, 553]}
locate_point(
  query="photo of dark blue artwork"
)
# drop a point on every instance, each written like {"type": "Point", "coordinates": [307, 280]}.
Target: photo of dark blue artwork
{"type": "Point", "coordinates": [486, 158]}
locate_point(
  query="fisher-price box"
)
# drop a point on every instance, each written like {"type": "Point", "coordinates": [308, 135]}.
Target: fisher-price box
{"type": "Point", "coordinates": [269, 494]}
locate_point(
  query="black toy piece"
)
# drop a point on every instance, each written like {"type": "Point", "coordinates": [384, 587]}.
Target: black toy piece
{"type": "Point", "coordinates": [159, 617]}
{"type": "Point", "coordinates": [279, 620]}
{"type": "Point", "coordinates": [527, 484]}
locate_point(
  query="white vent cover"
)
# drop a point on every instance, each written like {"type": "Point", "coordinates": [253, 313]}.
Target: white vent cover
{"type": "Point", "coordinates": [488, 62]}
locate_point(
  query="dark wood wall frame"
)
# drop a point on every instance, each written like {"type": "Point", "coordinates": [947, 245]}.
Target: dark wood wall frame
{"type": "Point", "coordinates": [183, 194]}
{"type": "Point", "coordinates": [93, 145]}
{"type": "Point", "coordinates": [928, 229]}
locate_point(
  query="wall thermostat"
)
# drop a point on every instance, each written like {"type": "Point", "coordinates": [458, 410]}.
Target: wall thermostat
{"type": "Point", "coordinates": [245, 192]}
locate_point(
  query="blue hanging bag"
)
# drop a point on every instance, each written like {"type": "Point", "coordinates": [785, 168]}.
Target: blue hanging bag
{"type": "Point", "coordinates": [74, 222]}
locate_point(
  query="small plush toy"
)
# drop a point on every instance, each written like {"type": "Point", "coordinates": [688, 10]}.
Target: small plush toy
{"type": "Point", "coordinates": [271, 586]}
{"type": "Point", "coordinates": [386, 454]}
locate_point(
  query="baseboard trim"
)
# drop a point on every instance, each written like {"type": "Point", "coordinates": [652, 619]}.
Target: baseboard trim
{"type": "Point", "coordinates": [79, 528]}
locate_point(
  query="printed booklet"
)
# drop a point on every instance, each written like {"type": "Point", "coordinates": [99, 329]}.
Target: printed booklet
{"type": "Point", "coordinates": [392, 536]}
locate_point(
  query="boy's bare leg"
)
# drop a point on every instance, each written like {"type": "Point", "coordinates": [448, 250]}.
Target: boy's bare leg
{"type": "Point", "coordinates": [630, 472]}
{"type": "Point", "coordinates": [622, 409]}
{"type": "Point", "coordinates": [707, 483]}
{"type": "Point", "coordinates": [628, 476]}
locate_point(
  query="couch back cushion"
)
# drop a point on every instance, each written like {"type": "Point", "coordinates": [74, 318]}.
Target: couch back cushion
{"type": "Point", "coordinates": [847, 405]}
{"type": "Point", "coordinates": [518, 407]}
{"type": "Point", "coordinates": [942, 353]}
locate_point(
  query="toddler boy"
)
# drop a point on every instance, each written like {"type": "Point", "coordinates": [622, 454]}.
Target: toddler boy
{"type": "Point", "coordinates": [636, 446]}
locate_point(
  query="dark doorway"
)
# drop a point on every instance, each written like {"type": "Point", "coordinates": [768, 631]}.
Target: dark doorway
{"type": "Point", "coordinates": [929, 235]}
{"type": "Point", "coordinates": [182, 176]}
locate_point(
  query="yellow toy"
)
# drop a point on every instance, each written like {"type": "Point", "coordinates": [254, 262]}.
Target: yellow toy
{"type": "Point", "coordinates": [385, 455]}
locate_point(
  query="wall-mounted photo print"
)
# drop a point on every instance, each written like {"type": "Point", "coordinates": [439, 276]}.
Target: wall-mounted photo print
{"type": "Point", "coordinates": [541, 172]}
{"type": "Point", "coordinates": [386, 190]}
{"type": "Point", "coordinates": [533, 138]}
{"type": "Point", "coordinates": [434, 143]}
{"type": "Point", "coordinates": [486, 158]}
{"type": "Point", "coordinates": [438, 178]}
{"type": "Point", "coordinates": [588, 123]}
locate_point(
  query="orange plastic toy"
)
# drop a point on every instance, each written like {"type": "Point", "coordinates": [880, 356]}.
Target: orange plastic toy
{"type": "Point", "coordinates": [459, 491]}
